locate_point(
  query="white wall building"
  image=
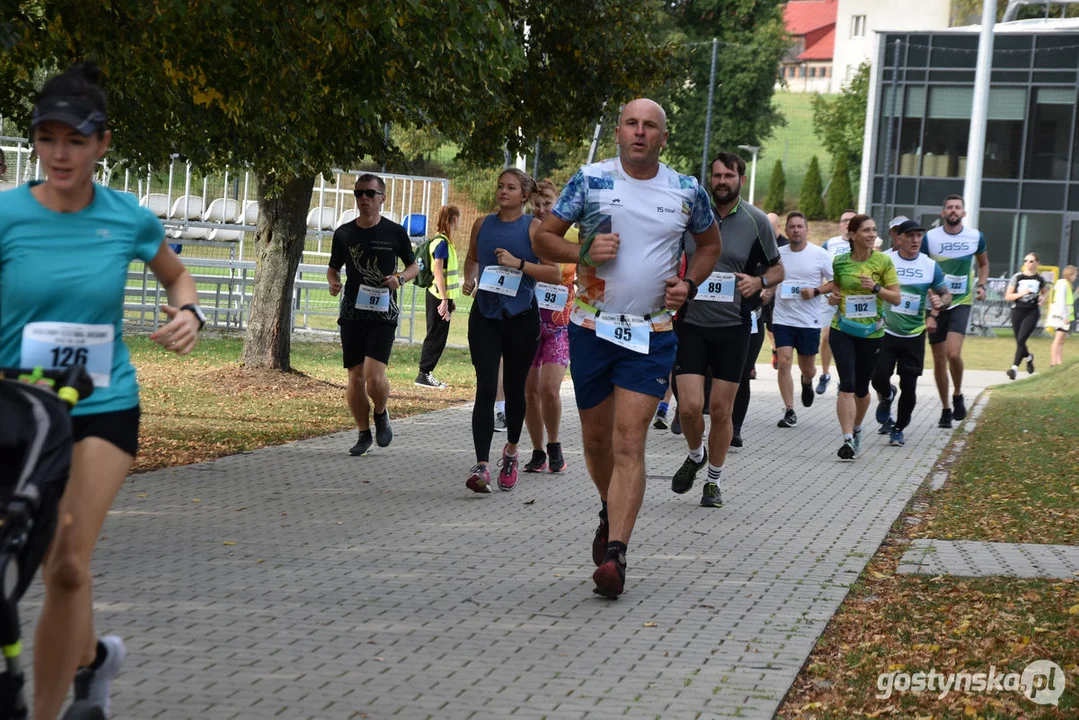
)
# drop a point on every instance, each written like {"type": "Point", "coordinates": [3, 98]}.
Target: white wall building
{"type": "Point", "coordinates": [857, 21]}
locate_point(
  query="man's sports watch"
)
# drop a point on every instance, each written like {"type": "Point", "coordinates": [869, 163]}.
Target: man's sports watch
{"type": "Point", "coordinates": [692, 288]}
{"type": "Point", "coordinates": [877, 288]}
{"type": "Point", "coordinates": [764, 281]}
{"type": "Point", "coordinates": [198, 313]}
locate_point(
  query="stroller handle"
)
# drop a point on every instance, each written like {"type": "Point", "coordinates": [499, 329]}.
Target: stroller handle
{"type": "Point", "coordinates": [72, 384]}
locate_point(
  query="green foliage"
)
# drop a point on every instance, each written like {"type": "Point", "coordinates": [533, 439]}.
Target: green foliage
{"type": "Point", "coordinates": [840, 195]}
{"type": "Point", "coordinates": [752, 39]}
{"type": "Point", "coordinates": [839, 120]}
{"type": "Point", "coordinates": [777, 189]}
{"type": "Point", "coordinates": [810, 201]}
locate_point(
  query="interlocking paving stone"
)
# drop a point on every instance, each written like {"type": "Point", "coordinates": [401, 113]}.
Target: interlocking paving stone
{"type": "Point", "coordinates": [979, 559]}
{"type": "Point", "coordinates": [379, 586]}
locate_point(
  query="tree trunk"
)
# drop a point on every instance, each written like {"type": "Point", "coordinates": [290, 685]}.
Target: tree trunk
{"type": "Point", "coordinates": [279, 241]}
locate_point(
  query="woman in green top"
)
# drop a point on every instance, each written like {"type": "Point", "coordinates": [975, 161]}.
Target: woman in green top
{"type": "Point", "coordinates": [865, 281]}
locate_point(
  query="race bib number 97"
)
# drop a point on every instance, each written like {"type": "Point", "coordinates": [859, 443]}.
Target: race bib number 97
{"type": "Point", "coordinates": [57, 345]}
{"type": "Point", "coordinates": [375, 299]}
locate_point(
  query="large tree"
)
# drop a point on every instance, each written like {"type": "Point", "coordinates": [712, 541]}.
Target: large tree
{"type": "Point", "coordinates": [287, 88]}
{"type": "Point", "coordinates": [839, 120]}
{"type": "Point", "coordinates": [751, 41]}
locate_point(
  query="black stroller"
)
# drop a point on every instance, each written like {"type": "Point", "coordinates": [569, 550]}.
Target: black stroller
{"type": "Point", "coordinates": [35, 458]}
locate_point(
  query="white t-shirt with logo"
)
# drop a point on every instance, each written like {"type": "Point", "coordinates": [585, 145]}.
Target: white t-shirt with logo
{"type": "Point", "coordinates": [809, 267]}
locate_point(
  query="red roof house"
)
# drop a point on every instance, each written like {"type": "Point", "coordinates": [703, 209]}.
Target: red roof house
{"type": "Point", "coordinates": [812, 23]}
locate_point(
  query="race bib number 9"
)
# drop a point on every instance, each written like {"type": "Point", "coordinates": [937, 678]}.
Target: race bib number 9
{"type": "Point", "coordinates": [909, 304]}
{"type": "Point", "coordinates": [57, 345]}
{"type": "Point", "coordinates": [631, 332]}
{"type": "Point", "coordinates": [861, 306]}
{"type": "Point", "coordinates": [551, 297]}
{"type": "Point", "coordinates": [375, 299]}
{"type": "Point", "coordinates": [957, 284]}
{"type": "Point", "coordinates": [719, 287]}
{"type": "Point", "coordinates": [501, 280]}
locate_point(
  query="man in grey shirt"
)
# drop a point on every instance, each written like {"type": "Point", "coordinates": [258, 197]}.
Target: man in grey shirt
{"type": "Point", "coordinates": [714, 328]}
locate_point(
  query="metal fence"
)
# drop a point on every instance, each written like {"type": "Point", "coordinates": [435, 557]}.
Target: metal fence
{"type": "Point", "coordinates": [209, 217]}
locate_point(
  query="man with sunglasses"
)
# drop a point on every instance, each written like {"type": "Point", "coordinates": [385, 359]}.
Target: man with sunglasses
{"type": "Point", "coordinates": [369, 248]}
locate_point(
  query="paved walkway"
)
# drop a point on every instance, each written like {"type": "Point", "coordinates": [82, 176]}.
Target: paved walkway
{"type": "Point", "coordinates": [299, 582]}
{"type": "Point", "coordinates": [980, 559]}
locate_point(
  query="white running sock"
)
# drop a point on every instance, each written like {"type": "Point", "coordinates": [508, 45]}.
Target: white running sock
{"type": "Point", "coordinates": [857, 429]}
{"type": "Point", "coordinates": [714, 473]}
{"type": "Point", "coordinates": [500, 406]}
{"type": "Point", "coordinates": [697, 455]}
{"type": "Point", "coordinates": [848, 437]}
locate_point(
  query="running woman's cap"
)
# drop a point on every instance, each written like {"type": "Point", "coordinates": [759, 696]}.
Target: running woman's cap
{"type": "Point", "coordinates": [897, 221]}
{"type": "Point", "coordinates": [76, 112]}
{"type": "Point", "coordinates": [909, 226]}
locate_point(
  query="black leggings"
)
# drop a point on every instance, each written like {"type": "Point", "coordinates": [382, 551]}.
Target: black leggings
{"type": "Point", "coordinates": [908, 385]}
{"type": "Point", "coordinates": [1024, 322]}
{"type": "Point", "coordinates": [741, 400]}
{"type": "Point", "coordinates": [855, 360]}
{"type": "Point", "coordinates": [513, 341]}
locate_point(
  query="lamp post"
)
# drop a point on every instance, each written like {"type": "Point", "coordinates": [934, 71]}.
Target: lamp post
{"type": "Point", "coordinates": [753, 172]}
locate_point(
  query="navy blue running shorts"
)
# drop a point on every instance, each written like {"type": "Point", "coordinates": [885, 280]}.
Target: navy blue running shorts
{"type": "Point", "coordinates": [598, 366]}
{"type": "Point", "coordinates": [805, 341]}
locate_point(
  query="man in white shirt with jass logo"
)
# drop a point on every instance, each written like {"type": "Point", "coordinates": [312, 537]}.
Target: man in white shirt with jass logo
{"type": "Point", "coordinates": [633, 212]}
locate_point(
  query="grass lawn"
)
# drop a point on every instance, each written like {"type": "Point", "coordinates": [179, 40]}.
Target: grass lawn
{"type": "Point", "coordinates": [794, 144]}
{"type": "Point", "coordinates": [1015, 481]}
{"type": "Point", "coordinates": [205, 405]}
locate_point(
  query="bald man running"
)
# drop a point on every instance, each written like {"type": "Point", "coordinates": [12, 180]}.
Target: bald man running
{"type": "Point", "coordinates": [633, 211]}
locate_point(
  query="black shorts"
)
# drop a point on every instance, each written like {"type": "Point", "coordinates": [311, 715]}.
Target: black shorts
{"type": "Point", "coordinates": [954, 319]}
{"type": "Point", "coordinates": [721, 350]}
{"type": "Point", "coordinates": [121, 428]}
{"type": "Point", "coordinates": [905, 353]}
{"type": "Point", "coordinates": [361, 340]}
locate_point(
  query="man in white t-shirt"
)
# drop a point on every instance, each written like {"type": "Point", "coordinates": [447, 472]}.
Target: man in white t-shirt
{"type": "Point", "coordinates": [632, 212]}
{"type": "Point", "coordinates": [796, 319]}
{"type": "Point", "coordinates": [835, 245]}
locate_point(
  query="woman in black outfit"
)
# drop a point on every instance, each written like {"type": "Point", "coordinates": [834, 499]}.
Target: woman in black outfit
{"type": "Point", "coordinates": [1026, 292]}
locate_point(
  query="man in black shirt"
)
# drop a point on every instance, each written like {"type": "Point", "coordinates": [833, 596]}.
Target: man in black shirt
{"type": "Point", "coordinates": [369, 249]}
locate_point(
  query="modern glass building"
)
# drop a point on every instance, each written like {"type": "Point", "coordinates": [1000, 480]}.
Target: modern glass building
{"type": "Point", "coordinates": [918, 120]}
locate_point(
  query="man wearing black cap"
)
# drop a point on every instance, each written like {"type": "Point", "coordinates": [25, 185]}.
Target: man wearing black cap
{"type": "Point", "coordinates": [903, 345]}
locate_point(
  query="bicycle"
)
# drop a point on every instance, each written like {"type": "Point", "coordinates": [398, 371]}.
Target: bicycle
{"type": "Point", "coordinates": [35, 459]}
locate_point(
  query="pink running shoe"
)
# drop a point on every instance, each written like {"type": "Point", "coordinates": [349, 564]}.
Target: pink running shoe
{"type": "Point", "coordinates": [507, 476]}
{"type": "Point", "coordinates": [479, 479]}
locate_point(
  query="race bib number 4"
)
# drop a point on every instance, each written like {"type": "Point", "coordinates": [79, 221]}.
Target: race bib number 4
{"type": "Point", "coordinates": [957, 284]}
{"type": "Point", "coordinates": [909, 304]}
{"type": "Point", "coordinates": [376, 299]}
{"type": "Point", "coordinates": [719, 287]}
{"type": "Point", "coordinates": [501, 280]}
{"type": "Point", "coordinates": [626, 331]}
{"type": "Point", "coordinates": [861, 306]}
{"type": "Point", "coordinates": [551, 297]}
{"type": "Point", "coordinates": [57, 345]}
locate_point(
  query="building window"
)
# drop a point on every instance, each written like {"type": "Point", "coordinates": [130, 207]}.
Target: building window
{"type": "Point", "coordinates": [857, 26]}
{"type": "Point", "coordinates": [1049, 131]}
{"type": "Point", "coordinates": [812, 72]}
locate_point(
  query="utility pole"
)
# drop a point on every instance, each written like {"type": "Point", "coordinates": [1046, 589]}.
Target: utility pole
{"type": "Point", "coordinates": [972, 185]}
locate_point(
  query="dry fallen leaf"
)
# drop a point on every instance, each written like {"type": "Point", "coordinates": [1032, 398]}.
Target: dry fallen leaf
{"type": "Point", "coordinates": [649, 624]}
{"type": "Point", "coordinates": [228, 542]}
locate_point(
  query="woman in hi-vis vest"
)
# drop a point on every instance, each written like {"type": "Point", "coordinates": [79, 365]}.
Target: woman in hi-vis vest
{"type": "Point", "coordinates": [441, 296]}
{"type": "Point", "coordinates": [1061, 313]}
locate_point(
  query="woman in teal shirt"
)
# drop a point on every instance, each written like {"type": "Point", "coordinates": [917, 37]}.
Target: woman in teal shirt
{"type": "Point", "coordinates": [65, 247]}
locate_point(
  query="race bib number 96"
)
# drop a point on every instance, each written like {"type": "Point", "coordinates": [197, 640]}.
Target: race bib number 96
{"type": "Point", "coordinates": [57, 345]}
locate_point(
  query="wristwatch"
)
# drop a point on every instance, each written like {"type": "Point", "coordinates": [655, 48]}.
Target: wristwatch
{"type": "Point", "coordinates": [816, 292]}
{"type": "Point", "coordinates": [198, 313]}
{"type": "Point", "coordinates": [692, 288]}
{"type": "Point", "coordinates": [876, 288]}
{"type": "Point", "coordinates": [401, 280]}
{"type": "Point", "coordinates": [764, 282]}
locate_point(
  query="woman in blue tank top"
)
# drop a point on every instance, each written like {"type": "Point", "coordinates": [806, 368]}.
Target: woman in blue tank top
{"type": "Point", "coordinates": [504, 324]}
{"type": "Point", "coordinates": [86, 235]}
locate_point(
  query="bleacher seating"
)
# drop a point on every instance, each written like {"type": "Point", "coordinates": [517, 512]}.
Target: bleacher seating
{"type": "Point", "coordinates": [346, 217]}
{"type": "Point", "coordinates": [321, 218]}
{"type": "Point", "coordinates": [157, 203]}
{"type": "Point", "coordinates": [188, 207]}
{"type": "Point", "coordinates": [415, 225]}
{"type": "Point", "coordinates": [223, 210]}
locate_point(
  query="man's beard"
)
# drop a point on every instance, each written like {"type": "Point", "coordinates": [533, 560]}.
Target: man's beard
{"type": "Point", "coordinates": [729, 197]}
{"type": "Point", "coordinates": [952, 223]}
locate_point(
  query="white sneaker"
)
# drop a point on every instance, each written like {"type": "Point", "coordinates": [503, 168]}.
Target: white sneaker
{"type": "Point", "coordinates": [93, 685]}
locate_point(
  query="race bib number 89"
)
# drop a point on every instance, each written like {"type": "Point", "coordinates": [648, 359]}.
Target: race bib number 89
{"type": "Point", "coordinates": [57, 345]}
{"type": "Point", "coordinates": [719, 287]}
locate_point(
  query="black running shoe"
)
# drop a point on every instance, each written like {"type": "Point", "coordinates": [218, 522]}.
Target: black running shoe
{"type": "Point", "coordinates": [847, 451]}
{"type": "Point", "coordinates": [807, 394]}
{"type": "Point", "coordinates": [538, 463]}
{"type": "Point", "coordinates": [886, 428]}
{"type": "Point", "coordinates": [712, 497]}
{"type": "Point", "coordinates": [362, 445]}
{"type": "Point", "coordinates": [676, 424]}
{"type": "Point", "coordinates": [683, 479]}
{"type": "Point", "coordinates": [1030, 365]}
{"type": "Point", "coordinates": [1011, 373]}
{"type": "Point", "coordinates": [599, 542]}
{"type": "Point", "coordinates": [383, 431]}
{"type": "Point", "coordinates": [945, 419]}
{"type": "Point", "coordinates": [788, 420]}
{"type": "Point", "coordinates": [500, 422]}
{"type": "Point", "coordinates": [959, 408]}
{"type": "Point", "coordinates": [556, 462]}
{"type": "Point", "coordinates": [736, 437]}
